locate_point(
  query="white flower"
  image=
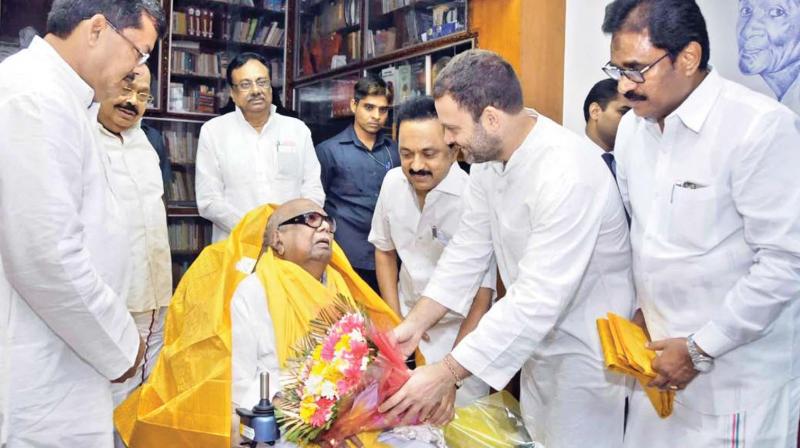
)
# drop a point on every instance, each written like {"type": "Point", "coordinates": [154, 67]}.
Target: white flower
{"type": "Point", "coordinates": [329, 390]}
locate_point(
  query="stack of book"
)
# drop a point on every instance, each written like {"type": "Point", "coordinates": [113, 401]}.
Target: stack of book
{"type": "Point", "coordinates": [188, 236]}
{"type": "Point", "coordinates": [181, 142]}
{"type": "Point", "coordinates": [181, 189]}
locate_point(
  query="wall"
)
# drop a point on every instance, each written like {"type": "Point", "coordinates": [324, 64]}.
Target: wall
{"type": "Point", "coordinates": [587, 49]}
{"type": "Point", "coordinates": [530, 35]}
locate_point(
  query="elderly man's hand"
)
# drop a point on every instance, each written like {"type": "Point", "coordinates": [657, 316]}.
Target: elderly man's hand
{"type": "Point", "coordinates": [673, 365]}
{"type": "Point", "coordinates": [421, 395]}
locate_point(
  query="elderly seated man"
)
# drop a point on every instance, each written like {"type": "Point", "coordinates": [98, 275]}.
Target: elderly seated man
{"type": "Point", "coordinates": [272, 308]}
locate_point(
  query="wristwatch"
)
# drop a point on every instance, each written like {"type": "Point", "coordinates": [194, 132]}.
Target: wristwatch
{"type": "Point", "coordinates": [702, 363]}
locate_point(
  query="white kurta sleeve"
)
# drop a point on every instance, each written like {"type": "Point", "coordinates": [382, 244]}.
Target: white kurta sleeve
{"type": "Point", "coordinates": [565, 222]}
{"type": "Point", "coordinates": [380, 234]}
{"type": "Point", "coordinates": [312, 183]}
{"type": "Point", "coordinates": [766, 191]}
{"type": "Point", "coordinates": [490, 278]}
{"type": "Point", "coordinates": [464, 262]}
{"type": "Point", "coordinates": [42, 240]}
{"type": "Point", "coordinates": [253, 349]}
{"type": "Point", "coordinates": [210, 187]}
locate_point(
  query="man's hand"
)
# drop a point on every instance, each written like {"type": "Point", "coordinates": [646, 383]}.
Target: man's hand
{"type": "Point", "coordinates": [132, 371]}
{"type": "Point", "coordinates": [673, 365]}
{"type": "Point", "coordinates": [408, 335]}
{"type": "Point", "coordinates": [420, 396]}
{"type": "Point", "coordinates": [446, 411]}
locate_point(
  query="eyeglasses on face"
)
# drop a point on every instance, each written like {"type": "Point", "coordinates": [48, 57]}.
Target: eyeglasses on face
{"type": "Point", "coordinates": [637, 76]}
{"type": "Point", "coordinates": [261, 83]}
{"type": "Point", "coordinates": [142, 97]}
{"type": "Point", "coordinates": [143, 57]}
{"type": "Point", "coordinates": [311, 219]}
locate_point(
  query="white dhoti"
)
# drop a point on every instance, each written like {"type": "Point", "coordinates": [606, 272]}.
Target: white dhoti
{"type": "Point", "coordinates": [770, 424]}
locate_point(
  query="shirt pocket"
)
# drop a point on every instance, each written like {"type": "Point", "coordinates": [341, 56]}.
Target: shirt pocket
{"type": "Point", "coordinates": [288, 163]}
{"type": "Point", "coordinates": [692, 217]}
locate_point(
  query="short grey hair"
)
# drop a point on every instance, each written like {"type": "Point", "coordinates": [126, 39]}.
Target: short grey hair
{"type": "Point", "coordinates": [65, 15]}
{"type": "Point", "coordinates": [477, 79]}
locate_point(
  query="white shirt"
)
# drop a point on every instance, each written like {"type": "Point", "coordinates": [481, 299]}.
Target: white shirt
{"type": "Point", "coordinates": [64, 251]}
{"type": "Point", "coordinates": [721, 260]}
{"type": "Point", "coordinates": [253, 343]}
{"type": "Point", "coordinates": [239, 169]}
{"type": "Point", "coordinates": [553, 218]}
{"type": "Point", "coordinates": [135, 177]}
{"type": "Point", "coordinates": [419, 237]}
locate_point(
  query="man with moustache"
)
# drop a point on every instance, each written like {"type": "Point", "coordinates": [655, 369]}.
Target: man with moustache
{"type": "Point", "coordinates": [354, 163]}
{"type": "Point", "coordinates": [253, 155]}
{"type": "Point", "coordinates": [63, 242]}
{"type": "Point", "coordinates": [554, 221]}
{"type": "Point", "coordinates": [769, 45]}
{"type": "Point", "coordinates": [133, 172]}
{"type": "Point", "coordinates": [417, 214]}
{"type": "Point", "coordinates": [707, 170]}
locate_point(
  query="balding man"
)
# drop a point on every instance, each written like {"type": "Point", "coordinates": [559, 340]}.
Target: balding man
{"type": "Point", "coordinates": [132, 168]}
{"type": "Point", "coordinates": [299, 273]}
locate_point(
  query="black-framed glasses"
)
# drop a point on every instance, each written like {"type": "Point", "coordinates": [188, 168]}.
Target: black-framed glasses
{"type": "Point", "coordinates": [143, 57]}
{"type": "Point", "coordinates": [636, 76]}
{"type": "Point", "coordinates": [312, 219]}
{"type": "Point", "coordinates": [142, 97]}
{"type": "Point", "coordinates": [261, 83]}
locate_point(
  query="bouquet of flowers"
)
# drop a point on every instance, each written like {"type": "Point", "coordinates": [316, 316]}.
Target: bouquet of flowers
{"type": "Point", "coordinates": [338, 376]}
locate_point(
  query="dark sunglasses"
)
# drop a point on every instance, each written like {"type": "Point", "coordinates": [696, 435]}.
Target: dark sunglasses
{"type": "Point", "coordinates": [311, 219]}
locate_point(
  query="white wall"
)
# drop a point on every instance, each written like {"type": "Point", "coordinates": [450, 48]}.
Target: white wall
{"type": "Point", "coordinates": [587, 49]}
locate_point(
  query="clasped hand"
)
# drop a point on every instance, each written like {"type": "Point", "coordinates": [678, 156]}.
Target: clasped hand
{"type": "Point", "coordinates": [429, 395]}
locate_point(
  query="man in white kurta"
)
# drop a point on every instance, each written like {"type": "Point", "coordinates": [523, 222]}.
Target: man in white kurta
{"type": "Point", "coordinates": [552, 216]}
{"type": "Point", "coordinates": [712, 188]}
{"type": "Point", "coordinates": [707, 169]}
{"type": "Point", "coordinates": [132, 166]}
{"type": "Point", "coordinates": [253, 155]}
{"type": "Point", "coordinates": [416, 215]}
{"type": "Point", "coordinates": [63, 241]}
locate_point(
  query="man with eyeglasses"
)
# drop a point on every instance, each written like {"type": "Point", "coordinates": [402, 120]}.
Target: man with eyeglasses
{"type": "Point", "coordinates": [133, 171]}
{"type": "Point", "coordinates": [65, 332]}
{"type": "Point", "coordinates": [708, 171]}
{"type": "Point", "coordinates": [354, 163]}
{"type": "Point", "coordinates": [300, 272]}
{"type": "Point", "coordinates": [253, 155]}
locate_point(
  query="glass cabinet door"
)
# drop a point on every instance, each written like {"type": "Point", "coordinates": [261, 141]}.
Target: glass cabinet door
{"type": "Point", "coordinates": [396, 24]}
{"type": "Point", "coordinates": [324, 106]}
{"type": "Point", "coordinates": [328, 35]}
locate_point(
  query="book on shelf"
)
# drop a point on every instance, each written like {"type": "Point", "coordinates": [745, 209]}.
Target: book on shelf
{"type": "Point", "coordinates": [388, 6]}
{"type": "Point", "coordinates": [188, 236]}
{"type": "Point", "coordinates": [381, 41]}
{"type": "Point", "coordinates": [182, 186]}
{"type": "Point", "coordinates": [181, 140]}
{"type": "Point", "coordinates": [341, 94]}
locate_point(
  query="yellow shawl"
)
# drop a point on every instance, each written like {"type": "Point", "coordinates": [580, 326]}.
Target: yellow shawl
{"type": "Point", "coordinates": [186, 401]}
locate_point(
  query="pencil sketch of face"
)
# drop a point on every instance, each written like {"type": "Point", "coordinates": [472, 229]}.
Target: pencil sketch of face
{"type": "Point", "coordinates": [769, 39]}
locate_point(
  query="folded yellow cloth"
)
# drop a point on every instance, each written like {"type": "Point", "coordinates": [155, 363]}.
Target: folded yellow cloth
{"type": "Point", "coordinates": [625, 351]}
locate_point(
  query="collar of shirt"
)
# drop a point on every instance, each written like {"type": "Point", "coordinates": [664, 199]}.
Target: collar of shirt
{"type": "Point", "coordinates": [697, 106]}
{"type": "Point", "coordinates": [349, 136]}
{"type": "Point", "coordinates": [79, 87]}
{"type": "Point", "coordinates": [449, 185]}
{"type": "Point", "coordinates": [127, 134]}
{"type": "Point", "coordinates": [597, 147]}
{"type": "Point", "coordinates": [519, 156]}
{"type": "Point", "coordinates": [273, 112]}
